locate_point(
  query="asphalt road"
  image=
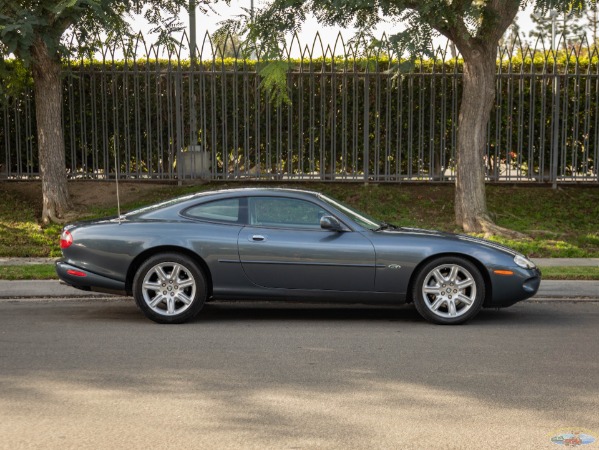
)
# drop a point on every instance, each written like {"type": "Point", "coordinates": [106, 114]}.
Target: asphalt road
{"type": "Point", "coordinates": [95, 373]}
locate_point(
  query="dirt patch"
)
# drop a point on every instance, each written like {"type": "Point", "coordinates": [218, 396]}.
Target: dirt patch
{"type": "Point", "coordinates": [86, 194]}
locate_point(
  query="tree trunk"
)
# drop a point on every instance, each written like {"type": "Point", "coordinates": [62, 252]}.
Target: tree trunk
{"type": "Point", "coordinates": [478, 96]}
{"type": "Point", "coordinates": [48, 110]}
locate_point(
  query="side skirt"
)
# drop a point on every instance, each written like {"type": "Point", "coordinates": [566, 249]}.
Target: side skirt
{"type": "Point", "coordinates": [296, 295]}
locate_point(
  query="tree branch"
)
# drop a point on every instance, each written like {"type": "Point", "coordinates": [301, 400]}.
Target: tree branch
{"type": "Point", "coordinates": [497, 16]}
{"type": "Point", "coordinates": [451, 25]}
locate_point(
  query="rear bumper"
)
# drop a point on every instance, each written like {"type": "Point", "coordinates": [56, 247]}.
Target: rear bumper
{"type": "Point", "coordinates": [88, 281]}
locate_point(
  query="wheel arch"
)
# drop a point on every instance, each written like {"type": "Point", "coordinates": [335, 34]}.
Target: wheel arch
{"type": "Point", "coordinates": [479, 265]}
{"type": "Point", "coordinates": [139, 259]}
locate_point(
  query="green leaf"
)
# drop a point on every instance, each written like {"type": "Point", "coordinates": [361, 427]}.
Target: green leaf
{"type": "Point", "coordinates": [274, 81]}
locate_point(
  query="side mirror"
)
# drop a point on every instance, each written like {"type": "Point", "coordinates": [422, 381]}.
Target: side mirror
{"type": "Point", "coordinates": [330, 223]}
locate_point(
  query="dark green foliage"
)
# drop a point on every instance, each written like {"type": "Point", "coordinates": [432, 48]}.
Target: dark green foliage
{"type": "Point", "coordinates": [60, 23]}
{"type": "Point", "coordinates": [469, 24]}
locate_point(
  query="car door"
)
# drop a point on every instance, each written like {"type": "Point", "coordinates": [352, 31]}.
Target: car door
{"type": "Point", "coordinates": [284, 247]}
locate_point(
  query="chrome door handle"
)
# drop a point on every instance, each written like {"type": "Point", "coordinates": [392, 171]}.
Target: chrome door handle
{"type": "Point", "coordinates": [257, 238]}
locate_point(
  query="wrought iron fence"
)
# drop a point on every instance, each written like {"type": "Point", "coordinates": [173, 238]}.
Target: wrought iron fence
{"type": "Point", "coordinates": [154, 115]}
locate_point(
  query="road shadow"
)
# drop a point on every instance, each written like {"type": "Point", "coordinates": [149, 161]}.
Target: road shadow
{"type": "Point", "coordinates": [276, 311]}
{"type": "Point", "coordinates": [544, 314]}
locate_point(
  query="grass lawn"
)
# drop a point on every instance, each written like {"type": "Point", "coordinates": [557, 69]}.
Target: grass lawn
{"type": "Point", "coordinates": [558, 223]}
{"type": "Point", "coordinates": [570, 273]}
{"type": "Point", "coordinates": [28, 272]}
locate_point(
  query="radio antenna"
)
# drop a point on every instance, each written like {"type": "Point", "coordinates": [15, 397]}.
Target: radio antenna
{"type": "Point", "coordinates": [118, 200]}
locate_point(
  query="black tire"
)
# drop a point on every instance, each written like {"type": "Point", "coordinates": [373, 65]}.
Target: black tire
{"type": "Point", "coordinates": [447, 281]}
{"type": "Point", "coordinates": [179, 285]}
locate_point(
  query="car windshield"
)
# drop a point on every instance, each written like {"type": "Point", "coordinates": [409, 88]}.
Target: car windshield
{"type": "Point", "coordinates": [359, 217]}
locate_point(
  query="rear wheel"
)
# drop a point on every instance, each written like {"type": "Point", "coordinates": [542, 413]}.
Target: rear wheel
{"type": "Point", "coordinates": [449, 290]}
{"type": "Point", "coordinates": [169, 288]}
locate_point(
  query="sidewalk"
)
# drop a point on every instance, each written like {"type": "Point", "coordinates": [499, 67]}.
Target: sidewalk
{"type": "Point", "coordinates": [42, 289]}
{"type": "Point", "coordinates": [25, 261]}
{"type": "Point", "coordinates": [567, 262]}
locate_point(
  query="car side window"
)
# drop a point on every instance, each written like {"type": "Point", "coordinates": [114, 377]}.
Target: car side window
{"type": "Point", "coordinates": [284, 212]}
{"type": "Point", "coordinates": [219, 211]}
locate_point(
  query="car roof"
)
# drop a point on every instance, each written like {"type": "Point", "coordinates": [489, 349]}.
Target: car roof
{"type": "Point", "coordinates": [255, 190]}
{"type": "Point", "coordinates": [177, 202]}
{"type": "Point", "coordinates": [249, 191]}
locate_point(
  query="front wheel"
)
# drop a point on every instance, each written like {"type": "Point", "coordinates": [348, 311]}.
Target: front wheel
{"type": "Point", "coordinates": [449, 290]}
{"type": "Point", "coordinates": [169, 288]}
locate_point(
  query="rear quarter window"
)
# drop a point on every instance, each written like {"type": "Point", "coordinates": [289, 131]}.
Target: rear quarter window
{"type": "Point", "coordinates": [226, 210]}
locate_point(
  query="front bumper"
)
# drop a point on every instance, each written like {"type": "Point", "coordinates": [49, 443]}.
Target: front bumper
{"type": "Point", "coordinates": [88, 281]}
{"type": "Point", "coordinates": [507, 290]}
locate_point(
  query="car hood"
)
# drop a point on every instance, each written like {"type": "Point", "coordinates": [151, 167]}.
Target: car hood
{"type": "Point", "coordinates": [453, 236]}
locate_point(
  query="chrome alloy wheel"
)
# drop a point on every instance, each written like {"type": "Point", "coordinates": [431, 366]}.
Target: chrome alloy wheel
{"type": "Point", "coordinates": [449, 291]}
{"type": "Point", "coordinates": [169, 288]}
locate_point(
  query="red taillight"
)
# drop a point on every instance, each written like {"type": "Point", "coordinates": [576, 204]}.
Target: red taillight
{"type": "Point", "coordinates": [66, 239]}
{"type": "Point", "coordinates": [76, 273]}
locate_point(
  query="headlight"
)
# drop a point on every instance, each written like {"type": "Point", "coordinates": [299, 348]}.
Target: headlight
{"type": "Point", "coordinates": [524, 262]}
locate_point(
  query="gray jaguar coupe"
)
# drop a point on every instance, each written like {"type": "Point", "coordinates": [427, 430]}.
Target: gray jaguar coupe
{"type": "Point", "coordinates": [294, 245]}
